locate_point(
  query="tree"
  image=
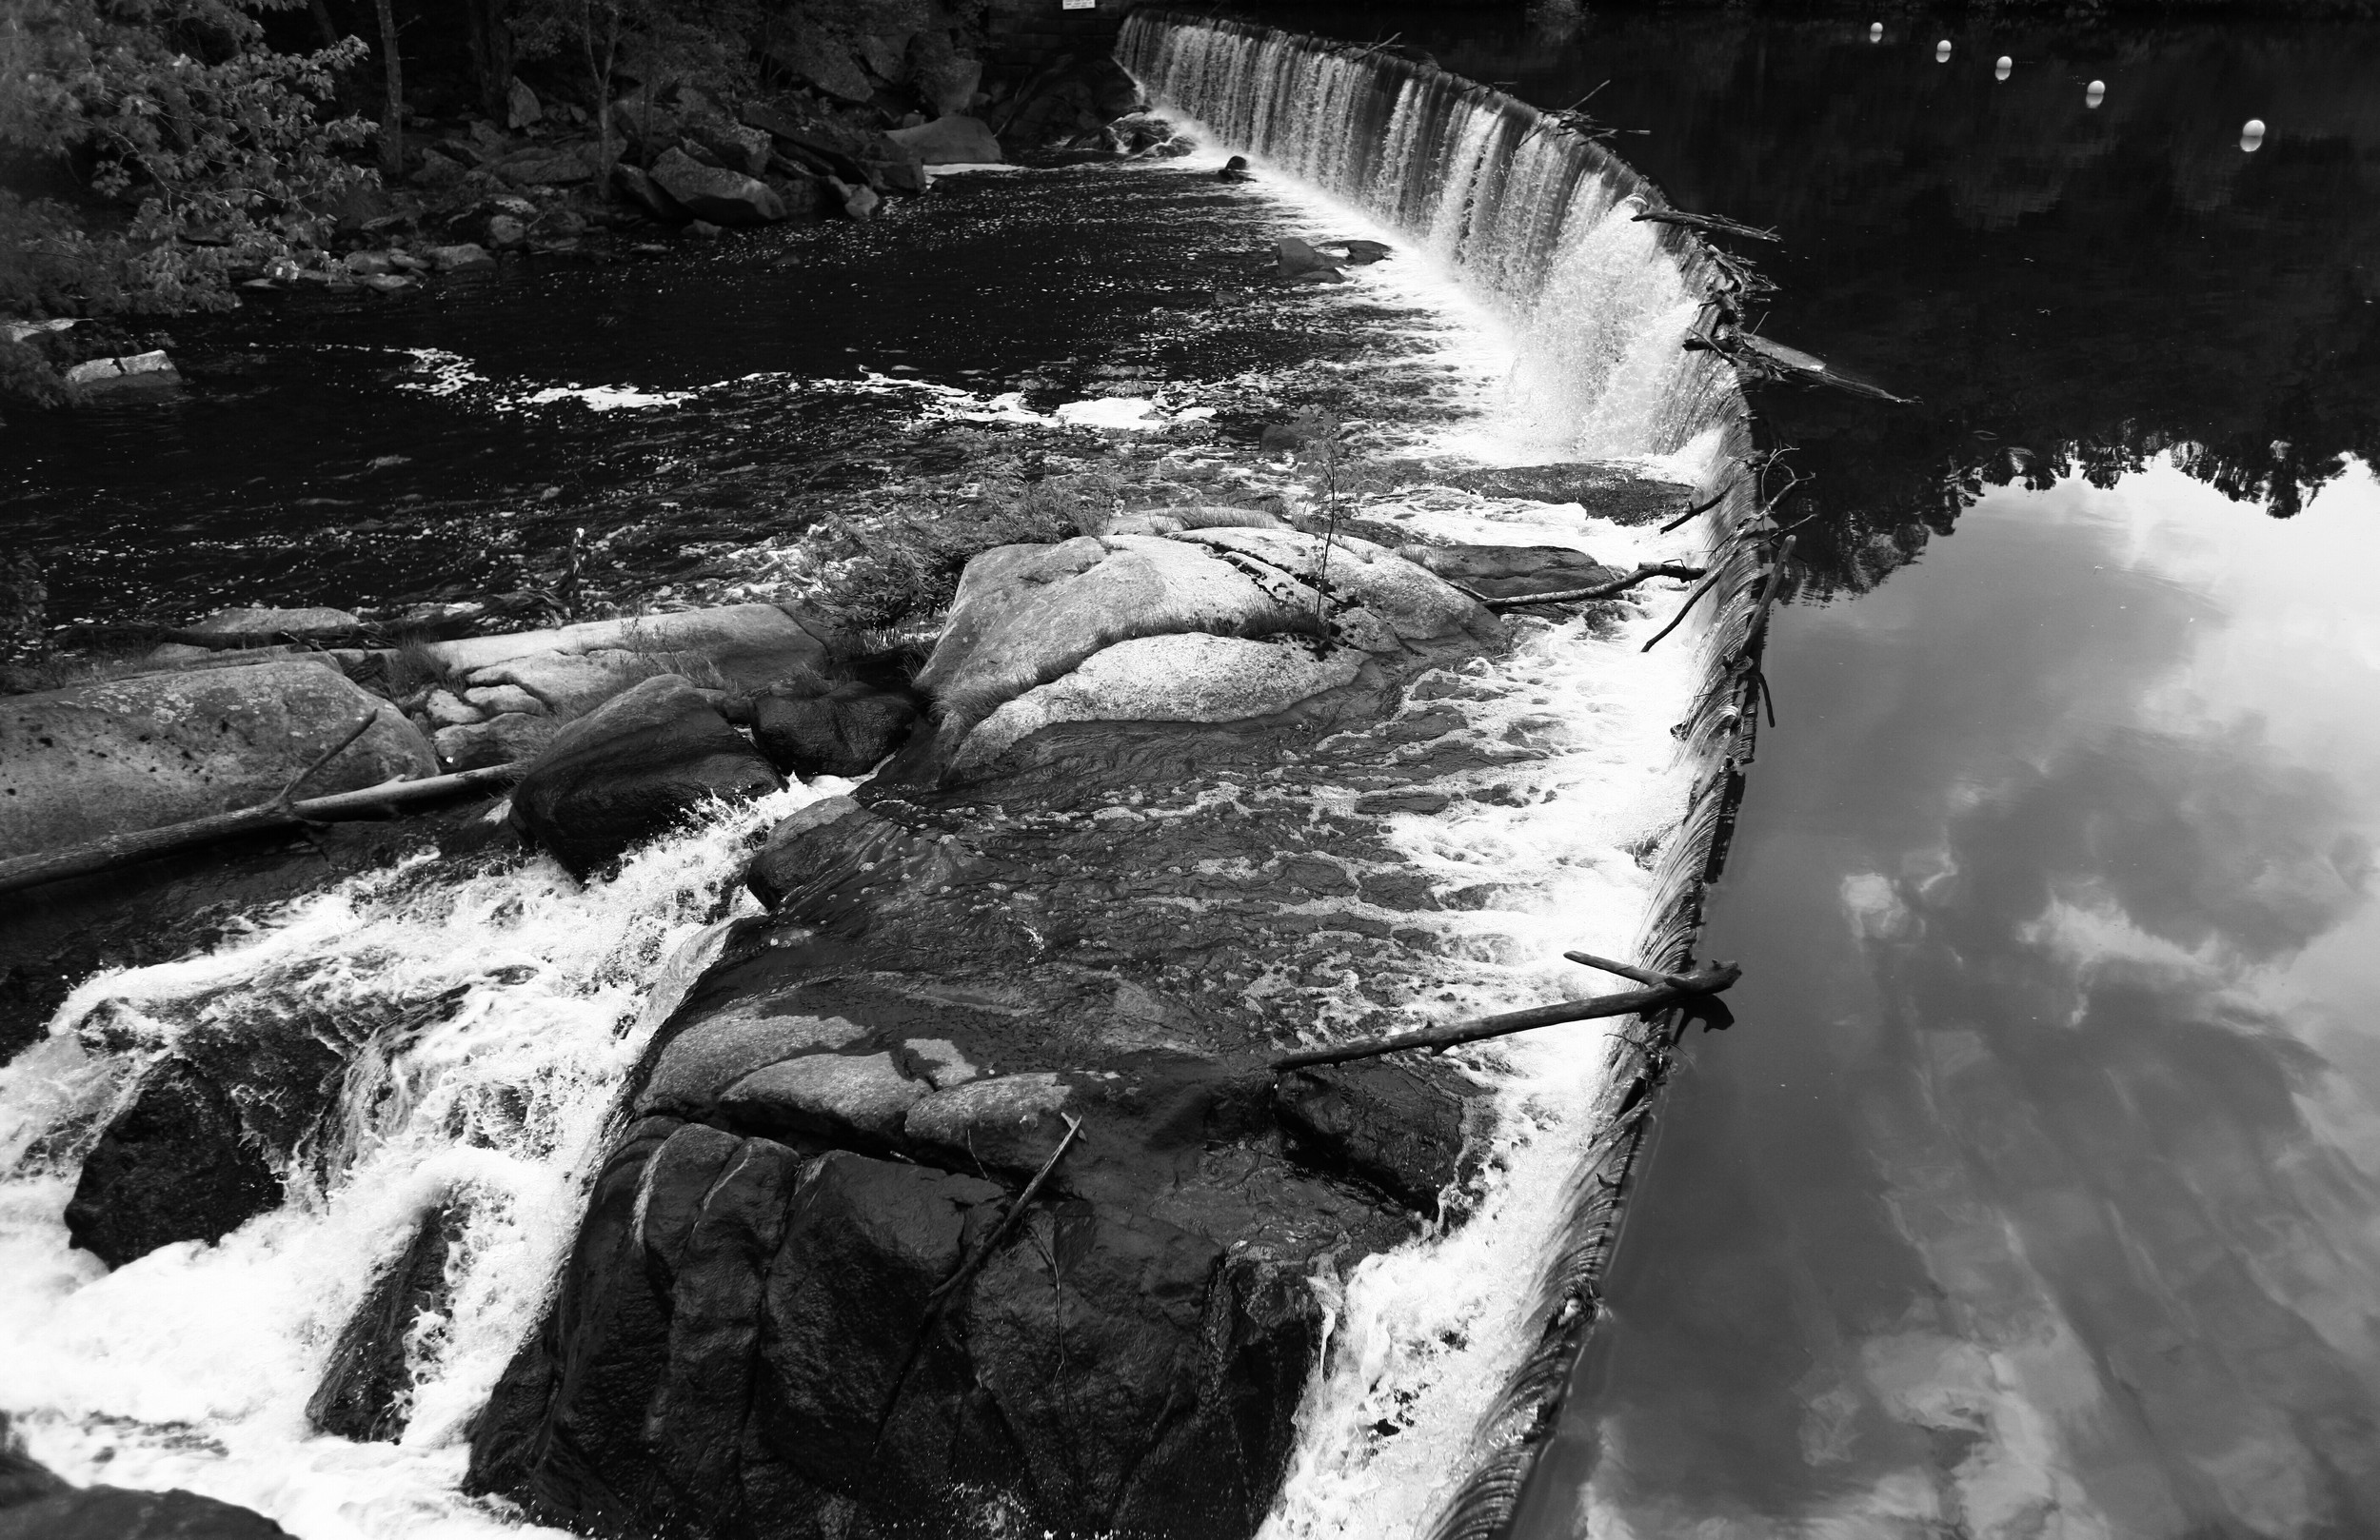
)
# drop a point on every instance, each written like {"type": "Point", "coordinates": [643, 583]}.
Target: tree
{"type": "Point", "coordinates": [179, 109]}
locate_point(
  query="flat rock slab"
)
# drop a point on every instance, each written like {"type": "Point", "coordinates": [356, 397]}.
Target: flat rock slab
{"type": "Point", "coordinates": [138, 753]}
{"type": "Point", "coordinates": [752, 645]}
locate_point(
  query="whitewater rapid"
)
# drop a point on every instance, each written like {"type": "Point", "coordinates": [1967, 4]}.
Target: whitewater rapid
{"type": "Point", "coordinates": [1557, 319]}
{"type": "Point", "coordinates": [191, 1366]}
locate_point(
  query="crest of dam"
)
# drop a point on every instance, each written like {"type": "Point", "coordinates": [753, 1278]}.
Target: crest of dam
{"type": "Point", "coordinates": [1541, 224]}
{"type": "Point", "coordinates": [1532, 218]}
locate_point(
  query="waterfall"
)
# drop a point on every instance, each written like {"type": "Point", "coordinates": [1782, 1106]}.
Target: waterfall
{"type": "Point", "coordinates": [1539, 223]}
{"type": "Point", "coordinates": [485, 1020]}
{"type": "Point", "coordinates": [1533, 218]}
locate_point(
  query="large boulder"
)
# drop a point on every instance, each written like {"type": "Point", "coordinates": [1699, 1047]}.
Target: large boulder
{"type": "Point", "coordinates": [1199, 625]}
{"type": "Point", "coordinates": [176, 1165]}
{"type": "Point", "coordinates": [809, 727]}
{"type": "Point", "coordinates": [747, 646]}
{"type": "Point", "coordinates": [953, 139]}
{"type": "Point", "coordinates": [634, 768]}
{"type": "Point", "coordinates": [137, 753]}
{"type": "Point", "coordinates": [715, 193]}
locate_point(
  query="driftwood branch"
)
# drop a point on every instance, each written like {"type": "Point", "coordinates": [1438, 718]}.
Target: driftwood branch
{"type": "Point", "coordinates": [120, 849]}
{"type": "Point", "coordinates": [1713, 223]}
{"type": "Point", "coordinates": [1685, 989]}
{"type": "Point", "coordinates": [1768, 597]}
{"type": "Point", "coordinates": [1679, 618]}
{"type": "Point", "coordinates": [1629, 970]}
{"type": "Point", "coordinates": [1701, 508]}
{"type": "Point", "coordinates": [938, 1303]}
{"type": "Point", "coordinates": [363, 725]}
{"type": "Point", "coordinates": [1602, 590]}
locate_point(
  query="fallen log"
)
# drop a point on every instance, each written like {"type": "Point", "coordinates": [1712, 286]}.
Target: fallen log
{"type": "Point", "coordinates": [1602, 590]}
{"type": "Point", "coordinates": [1750, 351]}
{"type": "Point", "coordinates": [1681, 989]}
{"type": "Point", "coordinates": [120, 849]}
{"type": "Point", "coordinates": [1710, 223]}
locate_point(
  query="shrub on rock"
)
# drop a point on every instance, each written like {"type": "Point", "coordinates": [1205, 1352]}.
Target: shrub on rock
{"type": "Point", "coordinates": [631, 769]}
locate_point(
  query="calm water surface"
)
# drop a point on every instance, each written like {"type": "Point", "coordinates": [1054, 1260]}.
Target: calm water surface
{"type": "Point", "coordinates": [2038, 1191]}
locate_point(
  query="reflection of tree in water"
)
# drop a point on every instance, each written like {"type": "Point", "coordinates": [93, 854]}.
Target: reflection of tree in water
{"type": "Point", "coordinates": [2066, 290]}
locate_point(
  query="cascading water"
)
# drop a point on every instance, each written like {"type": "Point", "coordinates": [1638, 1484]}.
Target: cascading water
{"type": "Point", "coordinates": [1448, 1359]}
{"type": "Point", "coordinates": [486, 1023]}
{"type": "Point", "coordinates": [1532, 218]}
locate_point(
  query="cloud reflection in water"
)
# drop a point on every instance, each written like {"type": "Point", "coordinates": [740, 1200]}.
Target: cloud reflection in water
{"type": "Point", "coordinates": [2039, 1191]}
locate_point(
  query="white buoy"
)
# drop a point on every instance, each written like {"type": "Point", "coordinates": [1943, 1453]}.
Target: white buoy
{"type": "Point", "coordinates": [1875, 31]}
{"type": "Point", "coordinates": [2251, 136]}
{"type": "Point", "coordinates": [2095, 93]}
{"type": "Point", "coordinates": [1942, 51]}
{"type": "Point", "coordinates": [2001, 66]}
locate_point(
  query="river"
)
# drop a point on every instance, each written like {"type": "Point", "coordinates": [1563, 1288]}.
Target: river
{"type": "Point", "coordinates": [2034, 1193]}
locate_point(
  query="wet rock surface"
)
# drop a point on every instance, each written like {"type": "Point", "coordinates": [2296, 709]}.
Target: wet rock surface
{"type": "Point", "coordinates": [366, 1387]}
{"type": "Point", "coordinates": [803, 1302]}
{"type": "Point", "coordinates": [176, 1165]}
{"type": "Point", "coordinates": [1621, 493]}
{"type": "Point", "coordinates": [135, 752]}
{"type": "Point", "coordinates": [631, 769]}
{"type": "Point", "coordinates": [810, 728]}
{"type": "Point", "coordinates": [36, 1504]}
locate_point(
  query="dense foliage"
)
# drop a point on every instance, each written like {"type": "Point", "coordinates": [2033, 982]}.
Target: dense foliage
{"type": "Point", "coordinates": [209, 147]}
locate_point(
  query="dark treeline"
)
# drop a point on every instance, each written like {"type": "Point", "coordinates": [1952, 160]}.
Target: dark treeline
{"type": "Point", "coordinates": [152, 152]}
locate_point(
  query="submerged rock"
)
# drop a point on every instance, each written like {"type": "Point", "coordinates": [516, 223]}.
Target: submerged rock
{"type": "Point", "coordinates": [176, 1165]}
{"type": "Point", "coordinates": [154, 749]}
{"type": "Point", "coordinates": [634, 768]}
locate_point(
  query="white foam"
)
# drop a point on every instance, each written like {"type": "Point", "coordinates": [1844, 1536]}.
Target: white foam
{"type": "Point", "coordinates": [190, 1367]}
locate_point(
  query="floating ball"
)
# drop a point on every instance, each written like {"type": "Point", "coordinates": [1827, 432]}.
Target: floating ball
{"type": "Point", "coordinates": [1942, 51]}
{"type": "Point", "coordinates": [2095, 93]}
{"type": "Point", "coordinates": [2251, 136]}
{"type": "Point", "coordinates": [1875, 31]}
{"type": "Point", "coordinates": [2001, 67]}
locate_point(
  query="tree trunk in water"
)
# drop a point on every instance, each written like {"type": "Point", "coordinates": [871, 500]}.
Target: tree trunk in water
{"type": "Point", "coordinates": [491, 56]}
{"type": "Point", "coordinates": [392, 115]}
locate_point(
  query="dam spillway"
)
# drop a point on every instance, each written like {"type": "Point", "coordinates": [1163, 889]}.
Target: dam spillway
{"type": "Point", "coordinates": [1538, 221]}
{"type": "Point", "coordinates": [455, 1022]}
